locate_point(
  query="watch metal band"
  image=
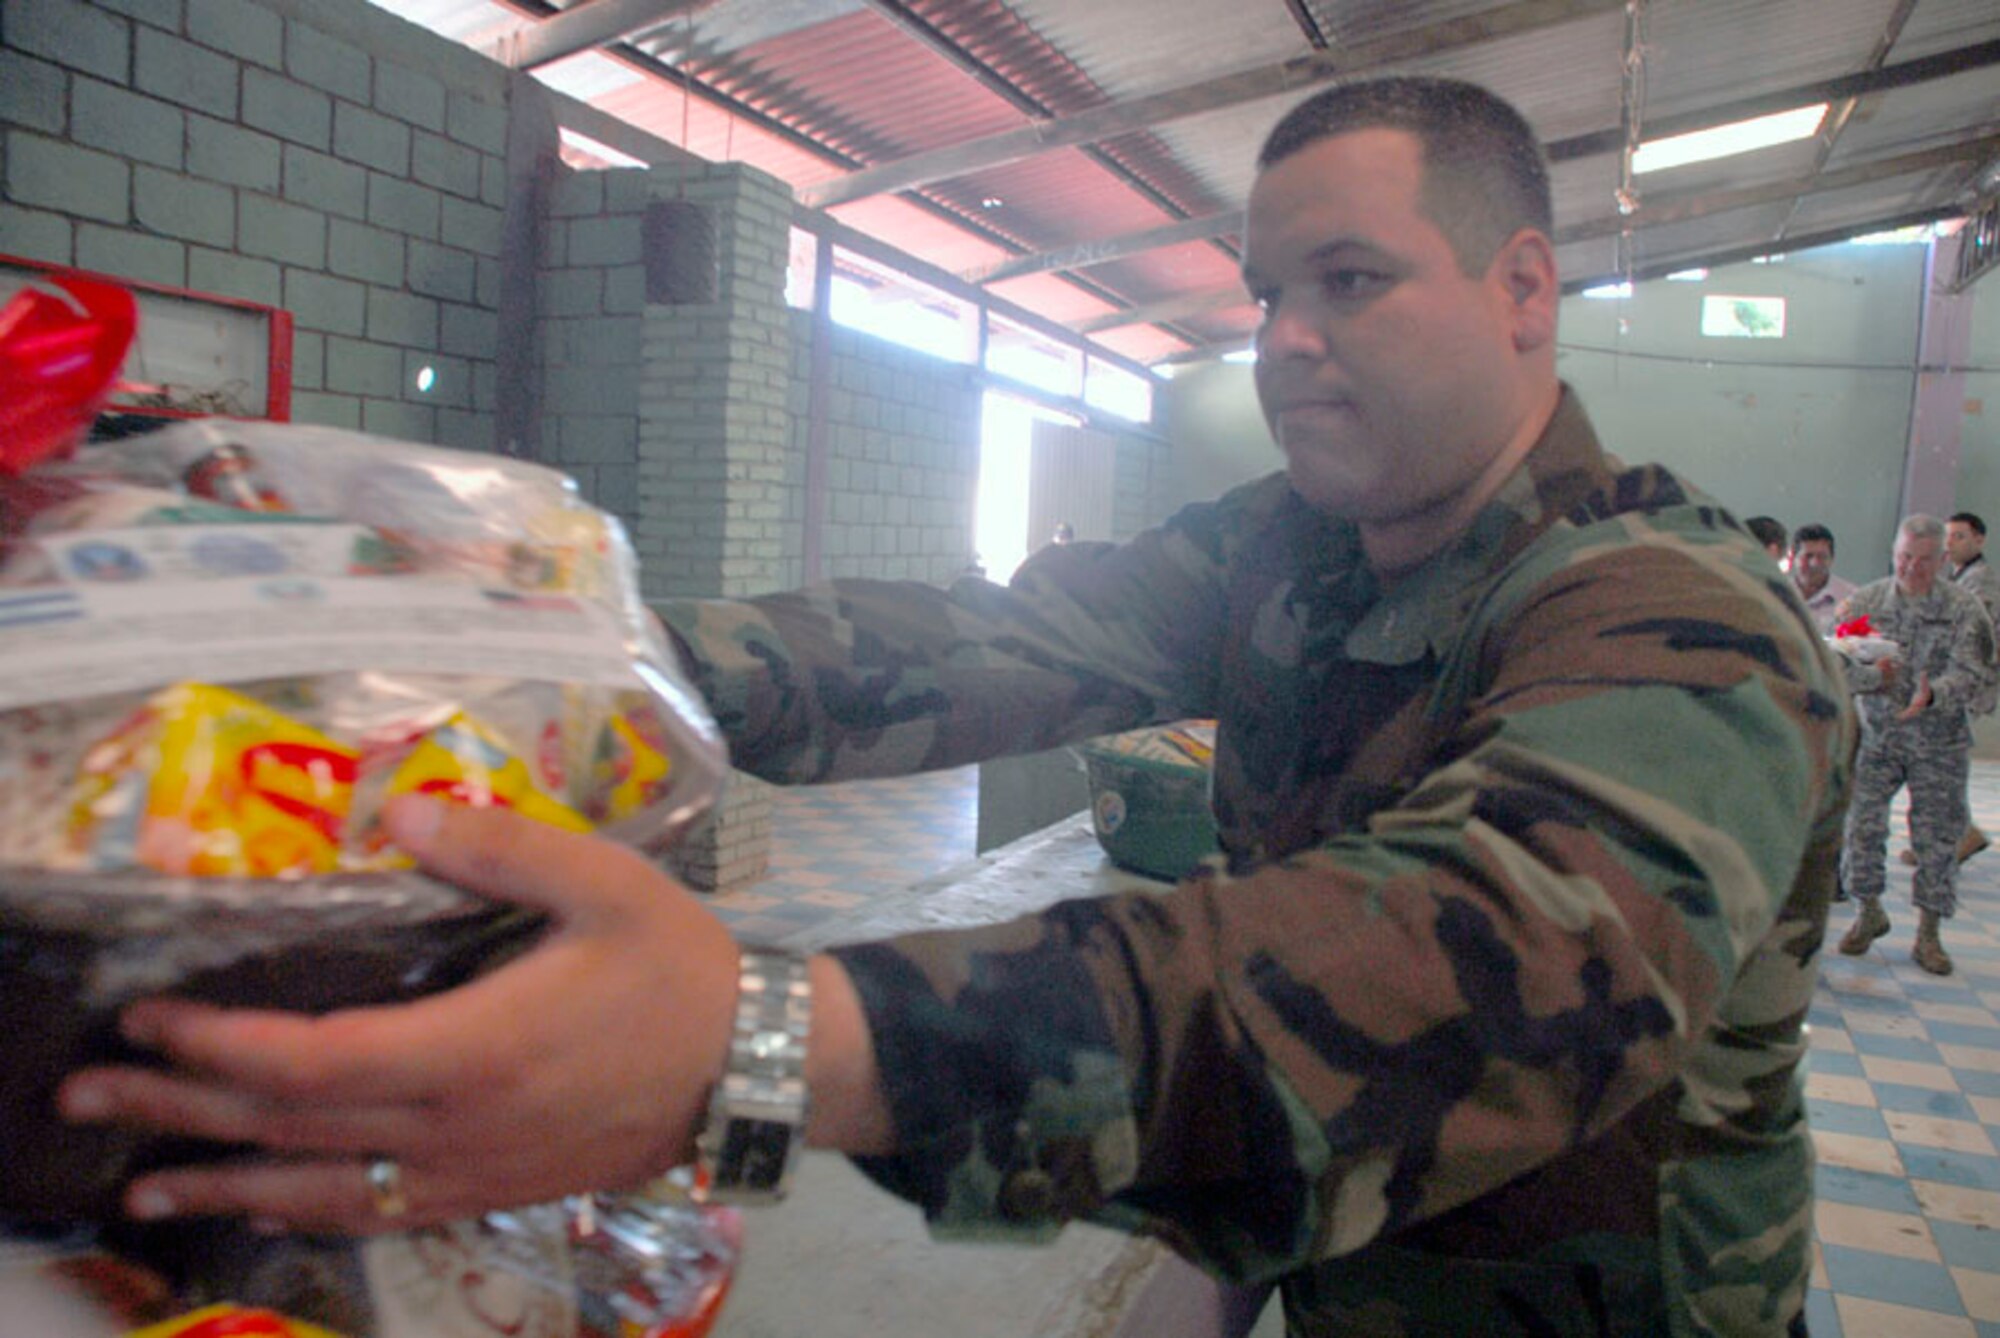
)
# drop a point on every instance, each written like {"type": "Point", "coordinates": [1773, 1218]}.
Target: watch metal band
{"type": "Point", "coordinates": [757, 1113]}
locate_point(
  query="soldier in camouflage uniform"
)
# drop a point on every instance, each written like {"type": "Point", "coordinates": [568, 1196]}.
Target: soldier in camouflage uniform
{"type": "Point", "coordinates": [1915, 730]}
{"type": "Point", "coordinates": [1530, 773]}
{"type": "Point", "coordinates": [1965, 549]}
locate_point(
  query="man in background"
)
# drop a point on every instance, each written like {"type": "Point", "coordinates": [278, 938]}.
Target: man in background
{"type": "Point", "coordinates": [1965, 550]}
{"type": "Point", "coordinates": [1915, 730]}
{"type": "Point", "coordinates": [1768, 531]}
{"type": "Point", "coordinates": [1812, 573]}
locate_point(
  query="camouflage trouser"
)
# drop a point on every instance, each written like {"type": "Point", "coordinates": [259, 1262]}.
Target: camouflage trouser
{"type": "Point", "coordinates": [1936, 770]}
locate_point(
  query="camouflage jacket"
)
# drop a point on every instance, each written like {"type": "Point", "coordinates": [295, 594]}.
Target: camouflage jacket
{"type": "Point", "coordinates": [1981, 578]}
{"type": "Point", "coordinates": [1494, 1023]}
{"type": "Point", "coordinates": [1946, 635]}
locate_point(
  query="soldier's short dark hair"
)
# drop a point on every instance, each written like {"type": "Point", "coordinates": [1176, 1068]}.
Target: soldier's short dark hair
{"type": "Point", "coordinates": [1970, 521]}
{"type": "Point", "coordinates": [1806, 534]}
{"type": "Point", "coordinates": [1766, 530]}
{"type": "Point", "coordinates": [1484, 174]}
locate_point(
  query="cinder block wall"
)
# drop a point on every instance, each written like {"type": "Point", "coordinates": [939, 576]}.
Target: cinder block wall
{"type": "Point", "coordinates": [715, 417]}
{"type": "Point", "coordinates": [591, 315]}
{"type": "Point", "coordinates": [902, 457]}
{"type": "Point", "coordinates": [274, 151]}
{"type": "Point", "coordinates": [1140, 479]}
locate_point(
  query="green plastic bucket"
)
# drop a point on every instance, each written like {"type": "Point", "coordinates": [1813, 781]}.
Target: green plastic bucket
{"type": "Point", "coordinates": [1149, 798]}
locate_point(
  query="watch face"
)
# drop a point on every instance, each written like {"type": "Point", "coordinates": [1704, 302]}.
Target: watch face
{"type": "Point", "coordinates": [752, 1158]}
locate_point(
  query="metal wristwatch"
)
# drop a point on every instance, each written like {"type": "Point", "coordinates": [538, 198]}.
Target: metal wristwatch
{"type": "Point", "coordinates": [757, 1112]}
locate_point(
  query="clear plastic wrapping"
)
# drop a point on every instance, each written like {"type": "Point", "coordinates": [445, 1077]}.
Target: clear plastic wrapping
{"type": "Point", "coordinates": [232, 625]}
{"type": "Point", "coordinates": [223, 646]}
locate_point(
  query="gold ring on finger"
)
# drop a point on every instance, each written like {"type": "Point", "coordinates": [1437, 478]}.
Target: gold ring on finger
{"type": "Point", "coordinates": [385, 1188]}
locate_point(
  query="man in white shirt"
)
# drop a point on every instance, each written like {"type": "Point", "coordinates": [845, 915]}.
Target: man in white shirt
{"type": "Point", "coordinates": [1812, 573]}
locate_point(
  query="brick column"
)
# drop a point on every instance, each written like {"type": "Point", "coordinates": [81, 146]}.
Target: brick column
{"type": "Point", "coordinates": [715, 433]}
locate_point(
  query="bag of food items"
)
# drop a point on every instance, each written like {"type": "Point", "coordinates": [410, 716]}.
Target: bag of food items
{"type": "Point", "coordinates": [224, 646]}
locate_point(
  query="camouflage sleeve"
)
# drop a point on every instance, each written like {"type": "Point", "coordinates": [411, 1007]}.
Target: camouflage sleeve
{"type": "Point", "coordinates": [1969, 661]}
{"type": "Point", "coordinates": [1983, 580]}
{"type": "Point", "coordinates": [870, 678]}
{"type": "Point", "coordinates": [1286, 1065]}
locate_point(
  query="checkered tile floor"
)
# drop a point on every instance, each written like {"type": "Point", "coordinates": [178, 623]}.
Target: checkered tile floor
{"type": "Point", "coordinates": [1904, 1086]}
{"type": "Point", "coordinates": [834, 847]}
{"type": "Point", "coordinates": [1904, 1091]}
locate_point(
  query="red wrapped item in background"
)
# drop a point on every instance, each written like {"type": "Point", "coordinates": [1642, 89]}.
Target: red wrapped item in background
{"type": "Point", "coordinates": [59, 363]}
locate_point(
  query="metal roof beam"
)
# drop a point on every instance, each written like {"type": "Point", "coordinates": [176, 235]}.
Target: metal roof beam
{"type": "Point", "coordinates": [1205, 228]}
{"type": "Point", "coordinates": [1683, 208]}
{"type": "Point", "coordinates": [1677, 209]}
{"type": "Point", "coordinates": [1737, 252]}
{"type": "Point", "coordinates": [1939, 66]}
{"type": "Point", "coordinates": [617, 133]}
{"type": "Point", "coordinates": [1922, 70]}
{"type": "Point", "coordinates": [1172, 309]}
{"type": "Point", "coordinates": [1842, 109]}
{"type": "Point", "coordinates": [920, 30]}
{"type": "Point", "coordinates": [583, 27]}
{"type": "Point", "coordinates": [1142, 113]}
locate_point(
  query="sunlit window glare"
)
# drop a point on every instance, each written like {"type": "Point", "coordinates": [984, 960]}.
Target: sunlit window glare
{"type": "Point", "coordinates": [1115, 390]}
{"type": "Point", "coordinates": [1914, 235]}
{"type": "Point", "coordinates": [1000, 515]}
{"type": "Point", "coordinates": [1759, 132]}
{"type": "Point", "coordinates": [595, 151]}
{"type": "Point", "coordinates": [1241, 355]}
{"type": "Point", "coordinates": [1033, 359]}
{"type": "Point", "coordinates": [899, 319]}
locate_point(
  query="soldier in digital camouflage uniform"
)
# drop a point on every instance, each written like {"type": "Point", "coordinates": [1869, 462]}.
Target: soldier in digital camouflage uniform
{"type": "Point", "coordinates": [1530, 773]}
{"type": "Point", "coordinates": [1965, 551]}
{"type": "Point", "coordinates": [1916, 730]}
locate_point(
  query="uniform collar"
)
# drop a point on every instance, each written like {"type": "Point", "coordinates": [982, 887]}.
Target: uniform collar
{"type": "Point", "coordinates": [1424, 611]}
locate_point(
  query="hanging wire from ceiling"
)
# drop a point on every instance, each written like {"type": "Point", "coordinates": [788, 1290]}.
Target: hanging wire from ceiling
{"type": "Point", "coordinates": [1632, 104]}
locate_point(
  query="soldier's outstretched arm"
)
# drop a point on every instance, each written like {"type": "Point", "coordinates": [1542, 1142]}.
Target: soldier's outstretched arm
{"type": "Point", "coordinates": [1276, 1067]}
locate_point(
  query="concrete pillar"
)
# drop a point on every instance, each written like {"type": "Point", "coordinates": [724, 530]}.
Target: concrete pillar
{"type": "Point", "coordinates": [1937, 405]}
{"type": "Point", "coordinates": [715, 430]}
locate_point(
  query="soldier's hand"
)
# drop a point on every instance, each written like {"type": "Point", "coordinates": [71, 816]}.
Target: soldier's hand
{"type": "Point", "coordinates": [1920, 699]}
{"type": "Point", "coordinates": [1890, 669]}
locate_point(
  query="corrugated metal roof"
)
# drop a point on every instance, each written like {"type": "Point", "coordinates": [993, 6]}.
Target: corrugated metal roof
{"type": "Point", "coordinates": [814, 90]}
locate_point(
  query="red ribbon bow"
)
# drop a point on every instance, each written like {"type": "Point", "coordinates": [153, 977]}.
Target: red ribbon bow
{"type": "Point", "coordinates": [59, 362]}
{"type": "Point", "coordinates": [1855, 627]}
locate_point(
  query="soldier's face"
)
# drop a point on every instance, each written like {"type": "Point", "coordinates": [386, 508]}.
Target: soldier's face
{"type": "Point", "coordinates": [1917, 563]}
{"type": "Point", "coordinates": [1962, 543]}
{"type": "Point", "coordinates": [1390, 377]}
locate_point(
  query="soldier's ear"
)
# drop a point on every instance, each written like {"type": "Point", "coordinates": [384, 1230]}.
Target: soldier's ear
{"type": "Point", "coordinates": [1525, 269]}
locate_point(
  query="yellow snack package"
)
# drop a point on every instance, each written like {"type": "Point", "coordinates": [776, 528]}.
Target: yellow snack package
{"type": "Point", "coordinates": [466, 762]}
{"type": "Point", "coordinates": [208, 782]}
{"type": "Point", "coordinates": [226, 1320]}
{"type": "Point", "coordinates": [629, 767]}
